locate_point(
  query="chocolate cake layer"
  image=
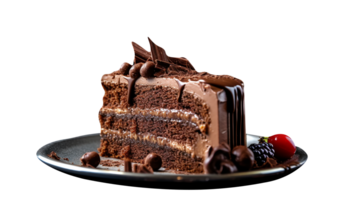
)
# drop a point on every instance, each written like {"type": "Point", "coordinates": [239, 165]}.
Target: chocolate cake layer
{"type": "Point", "coordinates": [180, 130]}
{"type": "Point", "coordinates": [172, 158]}
{"type": "Point", "coordinates": [206, 101]}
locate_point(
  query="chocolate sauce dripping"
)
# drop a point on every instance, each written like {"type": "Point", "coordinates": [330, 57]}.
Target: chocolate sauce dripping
{"type": "Point", "coordinates": [236, 112]}
{"type": "Point", "coordinates": [181, 86]}
{"type": "Point", "coordinates": [131, 84]}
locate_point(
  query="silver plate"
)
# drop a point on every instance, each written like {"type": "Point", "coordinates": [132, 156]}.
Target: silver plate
{"type": "Point", "coordinates": [74, 148]}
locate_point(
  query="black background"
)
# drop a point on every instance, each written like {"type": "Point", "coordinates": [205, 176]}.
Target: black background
{"type": "Point", "coordinates": [274, 69]}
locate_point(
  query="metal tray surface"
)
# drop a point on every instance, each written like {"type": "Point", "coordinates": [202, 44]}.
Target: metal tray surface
{"type": "Point", "coordinates": [74, 148]}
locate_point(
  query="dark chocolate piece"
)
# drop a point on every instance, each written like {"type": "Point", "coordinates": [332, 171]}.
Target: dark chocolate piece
{"type": "Point", "coordinates": [153, 160]}
{"type": "Point", "coordinates": [127, 165]}
{"type": "Point", "coordinates": [158, 53]}
{"type": "Point", "coordinates": [218, 160]}
{"type": "Point", "coordinates": [141, 55]}
{"type": "Point", "coordinates": [178, 68]}
{"type": "Point", "coordinates": [124, 68]}
{"type": "Point", "coordinates": [146, 169]}
{"type": "Point", "coordinates": [182, 61]}
{"type": "Point", "coordinates": [136, 59]}
{"type": "Point", "coordinates": [243, 158]}
{"type": "Point", "coordinates": [54, 155]}
{"type": "Point", "coordinates": [148, 69]}
{"type": "Point", "coordinates": [90, 159]}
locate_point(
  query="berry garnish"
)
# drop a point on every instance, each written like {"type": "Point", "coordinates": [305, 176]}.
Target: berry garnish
{"type": "Point", "coordinates": [283, 145]}
{"type": "Point", "coordinates": [262, 151]}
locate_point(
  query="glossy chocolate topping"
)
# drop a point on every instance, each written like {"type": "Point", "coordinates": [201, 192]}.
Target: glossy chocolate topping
{"type": "Point", "coordinates": [90, 159]}
{"type": "Point", "coordinates": [148, 69]}
{"type": "Point", "coordinates": [153, 160]}
{"type": "Point", "coordinates": [134, 71]}
{"type": "Point", "coordinates": [180, 85]}
{"type": "Point", "coordinates": [236, 118]}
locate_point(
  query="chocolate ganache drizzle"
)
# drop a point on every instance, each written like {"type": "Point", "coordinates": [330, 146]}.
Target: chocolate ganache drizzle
{"type": "Point", "coordinates": [236, 112]}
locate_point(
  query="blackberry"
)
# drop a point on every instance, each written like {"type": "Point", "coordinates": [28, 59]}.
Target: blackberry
{"type": "Point", "coordinates": [262, 151]}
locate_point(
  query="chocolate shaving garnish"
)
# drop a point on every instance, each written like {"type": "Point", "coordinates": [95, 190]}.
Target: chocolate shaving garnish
{"type": "Point", "coordinates": [162, 64]}
{"type": "Point", "coordinates": [137, 59]}
{"type": "Point", "coordinates": [178, 68]}
{"type": "Point", "coordinates": [157, 52]}
{"type": "Point", "coordinates": [182, 61]}
{"type": "Point", "coordinates": [141, 55]}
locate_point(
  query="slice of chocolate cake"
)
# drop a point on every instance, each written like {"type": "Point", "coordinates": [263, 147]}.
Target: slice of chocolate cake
{"type": "Point", "coordinates": [162, 105]}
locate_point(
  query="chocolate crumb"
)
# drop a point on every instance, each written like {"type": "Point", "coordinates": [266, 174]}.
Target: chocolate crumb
{"type": "Point", "coordinates": [65, 159]}
{"type": "Point", "coordinates": [54, 155]}
{"type": "Point", "coordinates": [146, 169]}
{"type": "Point", "coordinates": [111, 163]}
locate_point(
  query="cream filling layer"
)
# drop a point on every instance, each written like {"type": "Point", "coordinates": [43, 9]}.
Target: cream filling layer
{"type": "Point", "coordinates": [162, 141]}
{"type": "Point", "coordinates": [161, 112]}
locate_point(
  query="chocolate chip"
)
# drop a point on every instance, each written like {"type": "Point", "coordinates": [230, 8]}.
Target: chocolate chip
{"type": "Point", "coordinates": [154, 160]}
{"type": "Point", "coordinates": [243, 158]}
{"type": "Point", "coordinates": [148, 69]}
{"type": "Point", "coordinates": [124, 68]}
{"type": "Point", "coordinates": [134, 71]}
{"type": "Point", "coordinates": [218, 160]}
{"type": "Point", "coordinates": [90, 159]}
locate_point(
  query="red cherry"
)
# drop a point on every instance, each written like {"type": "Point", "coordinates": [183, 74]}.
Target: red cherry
{"type": "Point", "coordinates": [283, 145]}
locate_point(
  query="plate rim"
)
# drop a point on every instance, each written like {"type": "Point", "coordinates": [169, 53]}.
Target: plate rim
{"type": "Point", "coordinates": [171, 177]}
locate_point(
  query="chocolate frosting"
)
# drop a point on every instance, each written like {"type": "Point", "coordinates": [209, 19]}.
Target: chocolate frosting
{"type": "Point", "coordinates": [218, 160]}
